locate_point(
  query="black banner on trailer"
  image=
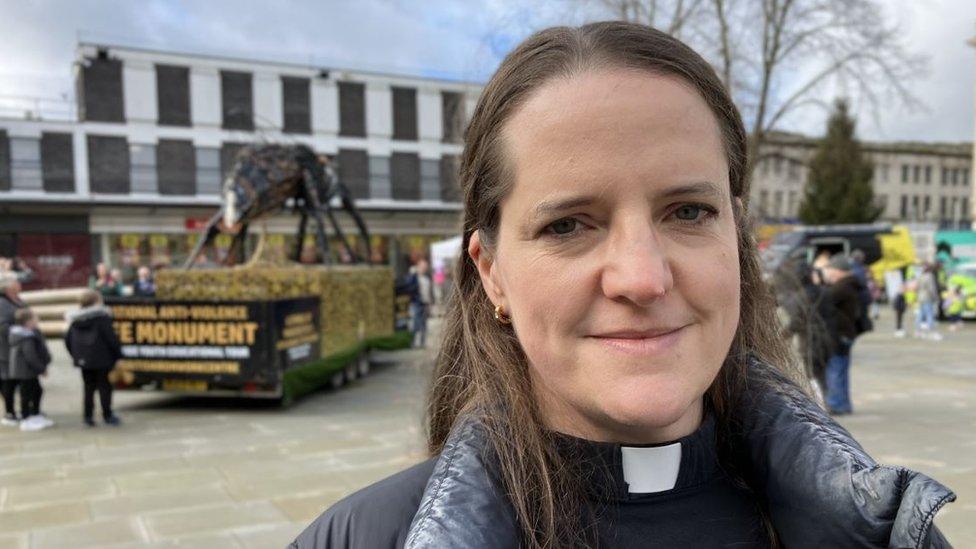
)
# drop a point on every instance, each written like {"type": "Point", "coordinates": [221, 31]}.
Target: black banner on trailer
{"type": "Point", "coordinates": [205, 345]}
{"type": "Point", "coordinates": [296, 331]}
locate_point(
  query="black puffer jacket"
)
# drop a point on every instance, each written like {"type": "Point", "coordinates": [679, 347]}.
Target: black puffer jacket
{"type": "Point", "coordinates": [91, 340]}
{"type": "Point", "coordinates": [846, 295]}
{"type": "Point", "coordinates": [8, 308]}
{"type": "Point", "coordinates": [822, 489]}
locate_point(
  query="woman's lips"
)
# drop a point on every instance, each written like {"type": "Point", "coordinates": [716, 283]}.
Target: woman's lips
{"type": "Point", "coordinates": [641, 345]}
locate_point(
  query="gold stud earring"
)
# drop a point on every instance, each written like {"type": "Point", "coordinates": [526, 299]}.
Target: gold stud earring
{"type": "Point", "coordinates": [500, 315]}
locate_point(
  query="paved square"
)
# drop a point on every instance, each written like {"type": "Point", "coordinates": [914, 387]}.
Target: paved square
{"type": "Point", "coordinates": [203, 473]}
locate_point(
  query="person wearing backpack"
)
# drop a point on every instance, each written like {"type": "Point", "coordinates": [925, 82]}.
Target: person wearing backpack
{"type": "Point", "coordinates": [95, 348]}
{"type": "Point", "coordinates": [845, 294]}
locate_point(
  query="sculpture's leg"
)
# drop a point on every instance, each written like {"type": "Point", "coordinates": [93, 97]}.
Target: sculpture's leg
{"type": "Point", "coordinates": [349, 205]}
{"type": "Point", "coordinates": [236, 252]}
{"type": "Point", "coordinates": [301, 235]}
{"type": "Point", "coordinates": [209, 234]}
{"type": "Point", "coordinates": [353, 256]}
{"type": "Point", "coordinates": [320, 239]}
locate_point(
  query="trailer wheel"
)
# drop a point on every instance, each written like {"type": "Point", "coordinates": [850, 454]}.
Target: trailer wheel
{"type": "Point", "coordinates": [337, 380]}
{"type": "Point", "coordinates": [362, 364]}
{"type": "Point", "coordinates": [350, 372]}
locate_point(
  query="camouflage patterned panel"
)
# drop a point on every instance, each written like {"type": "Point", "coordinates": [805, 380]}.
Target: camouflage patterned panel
{"type": "Point", "coordinates": [356, 301]}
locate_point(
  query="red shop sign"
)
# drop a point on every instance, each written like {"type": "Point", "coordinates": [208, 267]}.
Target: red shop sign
{"type": "Point", "coordinates": [196, 223]}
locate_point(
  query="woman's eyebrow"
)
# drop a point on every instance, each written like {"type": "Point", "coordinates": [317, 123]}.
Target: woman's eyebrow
{"type": "Point", "coordinates": [549, 207]}
{"type": "Point", "coordinates": [699, 188]}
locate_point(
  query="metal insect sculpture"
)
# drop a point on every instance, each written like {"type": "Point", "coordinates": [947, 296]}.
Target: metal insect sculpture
{"type": "Point", "coordinates": [261, 183]}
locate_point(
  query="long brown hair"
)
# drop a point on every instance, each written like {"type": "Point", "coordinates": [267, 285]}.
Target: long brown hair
{"type": "Point", "coordinates": [481, 368]}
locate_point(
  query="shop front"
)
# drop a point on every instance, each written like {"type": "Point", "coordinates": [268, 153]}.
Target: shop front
{"type": "Point", "coordinates": [56, 248]}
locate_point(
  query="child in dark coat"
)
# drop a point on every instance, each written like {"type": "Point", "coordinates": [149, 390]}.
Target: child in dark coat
{"type": "Point", "coordinates": [29, 358]}
{"type": "Point", "coordinates": [95, 348]}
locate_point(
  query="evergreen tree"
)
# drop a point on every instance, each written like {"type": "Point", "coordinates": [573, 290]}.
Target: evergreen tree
{"type": "Point", "coordinates": [838, 188]}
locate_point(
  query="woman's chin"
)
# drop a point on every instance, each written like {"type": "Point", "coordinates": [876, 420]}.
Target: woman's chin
{"type": "Point", "coordinates": [653, 418]}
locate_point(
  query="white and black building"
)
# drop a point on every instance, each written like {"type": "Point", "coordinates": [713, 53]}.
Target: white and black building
{"type": "Point", "coordinates": [141, 167]}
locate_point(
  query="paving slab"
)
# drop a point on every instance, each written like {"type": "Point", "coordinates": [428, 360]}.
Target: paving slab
{"type": "Point", "coordinates": [39, 518]}
{"type": "Point", "coordinates": [212, 519]}
{"type": "Point", "coordinates": [99, 533]}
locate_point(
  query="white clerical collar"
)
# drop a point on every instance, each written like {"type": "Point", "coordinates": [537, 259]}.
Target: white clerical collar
{"type": "Point", "coordinates": [651, 469]}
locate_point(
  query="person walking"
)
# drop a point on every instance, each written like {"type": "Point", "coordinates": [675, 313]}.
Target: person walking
{"type": "Point", "coordinates": [865, 294]}
{"type": "Point", "coordinates": [421, 299]}
{"type": "Point", "coordinates": [10, 303]}
{"type": "Point", "coordinates": [845, 294]}
{"type": "Point", "coordinates": [953, 304]}
{"type": "Point", "coordinates": [94, 347]}
{"type": "Point", "coordinates": [899, 304]}
{"type": "Point", "coordinates": [29, 358]}
{"type": "Point", "coordinates": [811, 319]}
{"type": "Point", "coordinates": [928, 299]}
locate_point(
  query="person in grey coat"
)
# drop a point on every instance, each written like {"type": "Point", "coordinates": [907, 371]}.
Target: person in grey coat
{"type": "Point", "coordinates": [9, 304]}
{"type": "Point", "coordinates": [29, 359]}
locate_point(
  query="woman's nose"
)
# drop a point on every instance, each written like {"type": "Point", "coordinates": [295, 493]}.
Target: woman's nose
{"type": "Point", "coordinates": [636, 267]}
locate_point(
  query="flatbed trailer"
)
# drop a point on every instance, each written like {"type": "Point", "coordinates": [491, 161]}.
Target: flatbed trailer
{"type": "Point", "coordinates": [263, 349]}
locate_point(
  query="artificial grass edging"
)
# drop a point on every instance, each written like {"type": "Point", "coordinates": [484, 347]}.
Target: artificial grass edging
{"type": "Point", "coordinates": [302, 380]}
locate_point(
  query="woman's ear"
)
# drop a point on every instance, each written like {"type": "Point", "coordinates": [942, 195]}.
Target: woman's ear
{"type": "Point", "coordinates": [487, 269]}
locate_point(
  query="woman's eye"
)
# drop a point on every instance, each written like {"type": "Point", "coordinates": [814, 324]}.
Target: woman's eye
{"type": "Point", "coordinates": [688, 212]}
{"type": "Point", "coordinates": [563, 227]}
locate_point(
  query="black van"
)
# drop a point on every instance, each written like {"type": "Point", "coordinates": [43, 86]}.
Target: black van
{"type": "Point", "coordinates": [806, 242]}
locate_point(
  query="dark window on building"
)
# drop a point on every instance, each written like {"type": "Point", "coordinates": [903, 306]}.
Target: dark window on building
{"type": "Point", "coordinates": [238, 100]}
{"type": "Point", "coordinates": [108, 164]}
{"type": "Point", "coordinates": [916, 174]}
{"type": "Point", "coordinates": [58, 162]}
{"type": "Point", "coordinates": [173, 95]}
{"type": "Point", "coordinates": [928, 174]}
{"type": "Point", "coordinates": [4, 161]}
{"type": "Point", "coordinates": [101, 90]}
{"type": "Point", "coordinates": [945, 175]}
{"type": "Point", "coordinates": [904, 173]}
{"type": "Point", "coordinates": [176, 167]}
{"type": "Point", "coordinates": [927, 207]}
{"type": "Point", "coordinates": [228, 154]}
{"type": "Point", "coordinates": [354, 171]}
{"type": "Point", "coordinates": [942, 208]}
{"type": "Point", "coordinates": [405, 176]}
{"type": "Point", "coordinates": [352, 109]}
{"type": "Point", "coordinates": [965, 176]}
{"type": "Point", "coordinates": [450, 188]}
{"type": "Point", "coordinates": [405, 114]}
{"type": "Point", "coordinates": [297, 106]}
{"type": "Point", "coordinates": [904, 207]}
{"type": "Point", "coordinates": [955, 176]}
{"type": "Point", "coordinates": [452, 112]}
{"type": "Point", "coordinates": [965, 208]}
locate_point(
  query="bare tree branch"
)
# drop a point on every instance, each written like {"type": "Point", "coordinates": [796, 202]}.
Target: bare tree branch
{"type": "Point", "coordinates": [779, 57]}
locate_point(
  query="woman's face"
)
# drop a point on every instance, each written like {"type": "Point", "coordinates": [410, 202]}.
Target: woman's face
{"type": "Point", "coordinates": [616, 254]}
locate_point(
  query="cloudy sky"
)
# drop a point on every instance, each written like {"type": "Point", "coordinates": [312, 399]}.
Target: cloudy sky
{"type": "Point", "coordinates": [455, 39]}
